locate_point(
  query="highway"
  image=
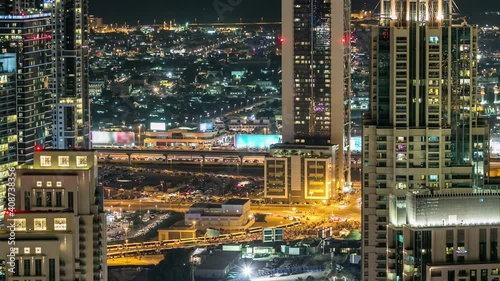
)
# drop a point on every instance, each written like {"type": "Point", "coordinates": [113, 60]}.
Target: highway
{"type": "Point", "coordinates": [313, 213]}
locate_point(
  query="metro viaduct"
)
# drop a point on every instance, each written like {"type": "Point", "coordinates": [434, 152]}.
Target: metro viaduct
{"type": "Point", "coordinates": [166, 152]}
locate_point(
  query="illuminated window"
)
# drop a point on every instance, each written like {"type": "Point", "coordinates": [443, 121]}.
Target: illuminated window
{"type": "Point", "coordinates": [49, 184]}
{"type": "Point", "coordinates": [16, 250]}
{"type": "Point", "coordinates": [58, 184]}
{"type": "Point", "coordinates": [40, 224]}
{"type": "Point", "coordinates": [45, 161]}
{"type": "Point", "coordinates": [60, 224]}
{"type": "Point", "coordinates": [401, 156]}
{"type": "Point", "coordinates": [63, 161]}
{"type": "Point", "coordinates": [433, 39]}
{"type": "Point", "coordinates": [19, 224]}
{"type": "Point", "coordinates": [39, 183]}
{"type": "Point", "coordinates": [26, 250]}
{"type": "Point", "coordinates": [38, 250]}
{"type": "Point", "coordinates": [81, 161]}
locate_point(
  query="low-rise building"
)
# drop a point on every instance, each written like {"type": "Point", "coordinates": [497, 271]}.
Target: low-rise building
{"type": "Point", "coordinates": [234, 214]}
{"type": "Point", "coordinates": [216, 264]}
{"type": "Point", "coordinates": [182, 136]}
{"type": "Point", "coordinates": [249, 126]}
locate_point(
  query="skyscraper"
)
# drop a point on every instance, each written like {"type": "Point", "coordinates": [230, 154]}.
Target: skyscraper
{"type": "Point", "coordinates": [32, 48]}
{"type": "Point", "coordinates": [316, 92]}
{"type": "Point", "coordinates": [8, 123]}
{"type": "Point", "coordinates": [26, 65]}
{"type": "Point", "coordinates": [70, 84]}
{"type": "Point", "coordinates": [423, 134]}
{"type": "Point", "coordinates": [58, 222]}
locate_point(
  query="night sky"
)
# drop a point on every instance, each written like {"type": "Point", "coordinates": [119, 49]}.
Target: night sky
{"type": "Point", "coordinates": [119, 11]}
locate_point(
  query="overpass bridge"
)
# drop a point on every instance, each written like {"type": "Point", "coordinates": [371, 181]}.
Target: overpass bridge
{"type": "Point", "coordinates": [166, 152]}
{"type": "Point", "coordinates": [253, 233]}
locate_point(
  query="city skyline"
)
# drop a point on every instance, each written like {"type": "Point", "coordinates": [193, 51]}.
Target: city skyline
{"type": "Point", "coordinates": [327, 142]}
{"type": "Point", "coordinates": [208, 13]}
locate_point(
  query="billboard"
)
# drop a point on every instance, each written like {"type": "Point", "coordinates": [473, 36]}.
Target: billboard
{"type": "Point", "coordinates": [495, 145]}
{"type": "Point", "coordinates": [158, 126]}
{"type": "Point", "coordinates": [113, 138]}
{"type": "Point", "coordinates": [204, 127]}
{"type": "Point", "coordinates": [256, 141]}
{"type": "Point", "coordinates": [356, 144]}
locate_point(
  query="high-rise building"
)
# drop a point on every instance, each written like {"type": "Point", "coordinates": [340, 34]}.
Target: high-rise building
{"type": "Point", "coordinates": [423, 134]}
{"type": "Point", "coordinates": [8, 123]}
{"type": "Point", "coordinates": [14, 7]}
{"type": "Point", "coordinates": [70, 84]}
{"type": "Point", "coordinates": [316, 92]}
{"type": "Point", "coordinates": [31, 47]}
{"type": "Point", "coordinates": [26, 65]}
{"type": "Point", "coordinates": [6, 7]}
{"type": "Point", "coordinates": [58, 220]}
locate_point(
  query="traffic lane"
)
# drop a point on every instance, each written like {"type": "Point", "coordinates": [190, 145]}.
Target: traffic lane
{"type": "Point", "coordinates": [351, 211]}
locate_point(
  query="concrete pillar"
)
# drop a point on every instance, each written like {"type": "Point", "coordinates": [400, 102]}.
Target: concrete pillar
{"type": "Point", "coordinates": [202, 163]}
{"type": "Point", "coordinates": [129, 155]}
{"type": "Point", "coordinates": [240, 164]}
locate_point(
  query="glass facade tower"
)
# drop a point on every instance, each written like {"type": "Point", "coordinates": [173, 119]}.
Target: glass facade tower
{"type": "Point", "coordinates": [316, 88]}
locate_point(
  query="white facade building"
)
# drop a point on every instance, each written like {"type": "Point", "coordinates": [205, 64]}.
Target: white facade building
{"type": "Point", "coordinates": [58, 225]}
{"type": "Point", "coordinates": [423, 133]}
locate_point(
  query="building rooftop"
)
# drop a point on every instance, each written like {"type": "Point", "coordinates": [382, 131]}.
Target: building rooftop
{"type": "Point", "coordinates": [219, 259]}
{"type": "Point", "coordinates": [236, 201]}
{"type": "Point", "coordinates": [302, 146]}
{"type": "Point", "coordinates": [206, 205]}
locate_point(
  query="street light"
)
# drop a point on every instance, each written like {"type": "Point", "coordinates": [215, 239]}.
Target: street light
{"type": "Point", "coordinates": [126, 236]}
{"type": "Point", "coordinates": [139, 127]}
{"type": "Point", "coordinates": [247, 270]}
{"type": "Point", "coordinates": [140, 213]}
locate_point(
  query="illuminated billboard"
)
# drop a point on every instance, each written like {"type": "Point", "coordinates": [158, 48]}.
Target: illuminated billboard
{"type": "Point", "coordinates": [356, 144]}
{"type": "Point", "coordinates": [256, 141]}
{"type": "Point", "coordinates": [113, 138]}
{"type": "Point", "coordinates": [495, 146]}
{"type": "Point", "coordinates": [204, 127]}
{"type": "Point", "coordinates": [157, 126]}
